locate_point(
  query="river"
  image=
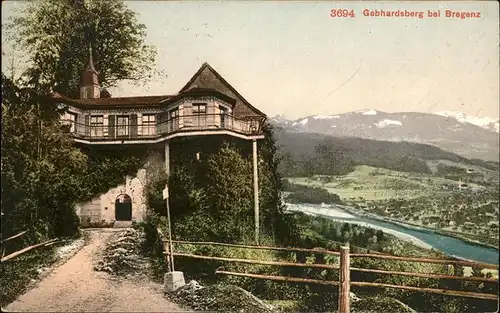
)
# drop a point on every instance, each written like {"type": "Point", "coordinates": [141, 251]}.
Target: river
{"type": "Point", "coordinates": [425, 238]}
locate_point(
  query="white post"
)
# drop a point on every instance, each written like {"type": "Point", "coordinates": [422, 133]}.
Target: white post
{"type": "Point", "coordinates": [256, 191]}
{"type": "Point", "coordinates": [167, 157]}
{"type": "Point", "coordinates": [166, 196]}
{"type": "Point", "coordinates": [170, 234]}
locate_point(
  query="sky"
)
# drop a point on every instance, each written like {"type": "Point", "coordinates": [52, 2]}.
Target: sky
{"type": "Point", "coordinates": [292, 58]}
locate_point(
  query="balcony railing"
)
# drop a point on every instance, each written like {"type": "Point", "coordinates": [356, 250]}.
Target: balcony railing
{"type": "Point", "coordinates": [185, 123]}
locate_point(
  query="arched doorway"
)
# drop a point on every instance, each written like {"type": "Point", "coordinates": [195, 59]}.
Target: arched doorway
{"type": "Point", "coordinates": [123, 208]}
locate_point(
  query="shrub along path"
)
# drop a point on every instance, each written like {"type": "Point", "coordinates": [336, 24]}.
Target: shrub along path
{"type": "Point", "coordinates": [76, 287]}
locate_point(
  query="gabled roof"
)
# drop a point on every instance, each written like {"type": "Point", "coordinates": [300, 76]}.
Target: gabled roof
{"type": "Point", "coordinates": [214, 76]}
{"type": "Point", "coordinates": [205, 82]}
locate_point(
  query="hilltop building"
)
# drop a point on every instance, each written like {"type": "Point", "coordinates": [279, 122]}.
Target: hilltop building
{"type": "Point", "coordinates": [207, 105]}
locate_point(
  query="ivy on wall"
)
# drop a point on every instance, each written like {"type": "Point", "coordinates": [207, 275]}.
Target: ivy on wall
{"type": "Point", "coordinates": [108, 167]}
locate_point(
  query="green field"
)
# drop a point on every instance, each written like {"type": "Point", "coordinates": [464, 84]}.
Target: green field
{"type": "Point", "coordinates": [370, 183]}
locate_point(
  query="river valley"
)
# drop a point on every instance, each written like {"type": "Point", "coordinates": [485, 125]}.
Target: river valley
{"type": "Point", "coordinates": [422, 237]}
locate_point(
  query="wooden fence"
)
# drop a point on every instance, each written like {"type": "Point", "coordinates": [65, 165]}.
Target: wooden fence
{"type": "Point", "coordinates": [344, 269]}
{"type": "Point", "coordinates": [16, 254]}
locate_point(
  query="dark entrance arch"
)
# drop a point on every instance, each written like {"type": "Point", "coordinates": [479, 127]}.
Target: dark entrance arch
{"type": "Point", "coordinates": [123, 208]}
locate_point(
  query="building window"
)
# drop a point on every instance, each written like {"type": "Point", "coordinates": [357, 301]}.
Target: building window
{"type": "Point", "coordinates": [174, 113]}
{"type": "Point", "coordinates": [199, 114]}
{"type": "Point", "coordinates": [69, 119]}
{"type": "Point", "coordinates": [199, 108]}
{"type": "Point", "coordinates": [223, 117]}
{"type": "Point", "coordinates": [122, 125]}
{"type": "Point", "coordinates": [173, 116]}
{"type": "Point", "coordinates": [148, 124]}
{"type": "Point", "coordinates": [96, 125]}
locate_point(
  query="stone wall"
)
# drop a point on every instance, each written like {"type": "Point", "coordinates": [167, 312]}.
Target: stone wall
{"type": "Point", "coordinates": [100, 211]}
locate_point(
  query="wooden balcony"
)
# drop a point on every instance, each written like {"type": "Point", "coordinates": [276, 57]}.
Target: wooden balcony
{"type": "Point", "coordinates": [187, 125]}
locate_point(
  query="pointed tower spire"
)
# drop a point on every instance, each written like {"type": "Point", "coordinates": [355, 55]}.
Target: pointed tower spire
{"type": "Point", "coordinates": [90, 66]}
{"type": "Point", "coordinates": [89, 86]}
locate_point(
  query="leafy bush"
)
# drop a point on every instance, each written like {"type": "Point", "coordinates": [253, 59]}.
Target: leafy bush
{"type": "Point", "coordinates": [314, 195]}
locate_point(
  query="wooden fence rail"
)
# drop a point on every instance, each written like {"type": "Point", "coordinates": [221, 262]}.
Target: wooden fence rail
{"type": "Point", "coordinates": [15, 254]}
{"type": "Point", "coordinates": [426, 260]}
{"type": "Point", "coordinates": [344, 268]}
{"type": "Point", "coordinates": [208, 243]}
{"type": "Point", "coordinates": [260, 247]}
{"type": "Point", "coordinates": [249, 261]}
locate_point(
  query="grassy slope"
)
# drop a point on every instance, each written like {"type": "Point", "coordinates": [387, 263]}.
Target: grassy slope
{"type": "Point", "coordinates": [372, 183]}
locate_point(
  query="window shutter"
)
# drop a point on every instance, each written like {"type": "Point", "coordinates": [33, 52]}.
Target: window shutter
{"type": "Point", "coordinates": [158, 122]}
{"type": "Point", "coordinates": [133, 125]}
{"type": "Point", "coordinates": [79, 124]}
{"type": "Point", "coordinates": [87, 125]}
{"type": "Point", "coordinates": [111, 126]}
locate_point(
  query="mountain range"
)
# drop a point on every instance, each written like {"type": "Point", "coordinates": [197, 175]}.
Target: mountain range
{"type": "Point", "coordinates": [457, 132]}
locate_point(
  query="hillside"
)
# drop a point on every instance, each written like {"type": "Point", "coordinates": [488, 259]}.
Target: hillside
{"type": "Point", "coordinates": [307, 154]}
{"type": "Point", "coordinates": [468, 136]}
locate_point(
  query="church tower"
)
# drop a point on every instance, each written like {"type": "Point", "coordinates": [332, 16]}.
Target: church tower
{"type": "Point", "coordinates": [89, 85]}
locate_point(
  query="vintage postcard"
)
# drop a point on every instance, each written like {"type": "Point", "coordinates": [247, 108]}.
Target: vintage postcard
{"type": "Point", "coordinates": [250, 156]}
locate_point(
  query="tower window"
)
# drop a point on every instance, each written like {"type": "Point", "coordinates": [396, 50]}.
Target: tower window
{"type": "Point", "coordinates": [199, 108]}
{"type": "Point", "coordinates": [199, 112]}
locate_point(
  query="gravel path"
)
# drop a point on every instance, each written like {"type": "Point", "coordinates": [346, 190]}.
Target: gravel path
{"type": "Point", "coordinates": [76, 287]}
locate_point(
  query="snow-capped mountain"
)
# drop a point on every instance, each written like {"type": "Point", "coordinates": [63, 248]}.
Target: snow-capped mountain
{"type": "Point", "coordinates": [484, 122]}
{"type": "Point", "coordinates": [469, 136]}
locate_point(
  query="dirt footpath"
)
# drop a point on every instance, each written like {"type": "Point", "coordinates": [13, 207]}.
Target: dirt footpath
{"type": "Point", "coordinates": [76, 287]}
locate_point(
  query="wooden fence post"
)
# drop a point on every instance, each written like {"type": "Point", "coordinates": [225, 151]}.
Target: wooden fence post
{"type": "Point", "coordinates": [344, 281]}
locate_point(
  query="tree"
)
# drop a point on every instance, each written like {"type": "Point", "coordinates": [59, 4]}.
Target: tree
{"type": "Point", "coordinates": [57, 34]}
{"type": "Point", "coordinates": [39, 186]}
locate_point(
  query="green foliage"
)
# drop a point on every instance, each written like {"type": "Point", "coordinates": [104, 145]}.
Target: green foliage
{"type": "Point", "coordinates": [332, 159]}
{"type": "Point", "coordinates": [18, 273]}
{"type": "Point", "coordinates": [108, 167]}
{"type": "Point", "coordinates": [229, 188]}
{"type": "Point", "coordinates": [41, 169]}
{"type": "Point", "coordinates": [275, 222]}
{"type": "Point", "coordinates": [212, 198]}
{"type": "Point", "coordinates": [443, 170]}
{"type": "Point", "coordinates": [305, 194]}
{"type": "Point", "coordinates": [56, 35]}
